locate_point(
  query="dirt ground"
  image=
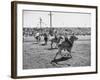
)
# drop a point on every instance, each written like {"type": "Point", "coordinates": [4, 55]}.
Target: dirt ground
{"type": "Point", "coordinates": [37, 56]}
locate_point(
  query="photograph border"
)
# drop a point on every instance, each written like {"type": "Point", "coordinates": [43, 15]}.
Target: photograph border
{"type": "Point", "coordinates": [14, 37]}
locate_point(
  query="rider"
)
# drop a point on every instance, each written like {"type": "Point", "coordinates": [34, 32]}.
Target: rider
{"type": "Point", "coordinates": [37, 36]}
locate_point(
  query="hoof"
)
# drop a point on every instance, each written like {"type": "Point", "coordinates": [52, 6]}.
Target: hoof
{"type": "Point", "coordinates": [53, 61]}
{"type": "Point", "coordinates": [68, 64]}
{"type": "Point", "coordinates": [51, 48]}
{"type": "Point", "coordinates": [69, 55]}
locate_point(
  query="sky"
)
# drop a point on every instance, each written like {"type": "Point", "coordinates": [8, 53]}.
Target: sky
{"type": "Point", "coordinates": [59, 19]}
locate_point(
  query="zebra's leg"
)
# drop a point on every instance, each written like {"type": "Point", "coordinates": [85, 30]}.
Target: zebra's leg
{"type": "Point", "coordinates": [54, 60]}
{"type": "Point", "coordinates": [51, 44]}
{"type": "Point", "coordinates": [36, 39]}
{"type": "Point", "coordinates": [63, 55]}
{"type": "Point", "coordinates": [69, 55]}
{"type": "Point", "coordinates": [39, 39]}
{"type": "Point", "coordinates": [56, 45]}
{"type": "Point", "coordinates": [59, 52]}
{"type": "Point", "coordinates": [45, 42]}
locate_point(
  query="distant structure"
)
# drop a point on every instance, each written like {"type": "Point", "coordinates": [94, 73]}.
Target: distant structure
{"type": "Point", "coordinates": [50, 29]}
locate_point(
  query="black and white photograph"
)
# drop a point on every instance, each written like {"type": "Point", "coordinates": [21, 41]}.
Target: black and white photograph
{"type": "Point", "coordinates": [56, 39]}
{"type": "Point", "coordinates": [53, 39]}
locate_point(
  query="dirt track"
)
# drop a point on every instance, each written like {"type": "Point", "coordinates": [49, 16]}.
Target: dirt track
{"type": "Point", "coordinates": [38, 56]}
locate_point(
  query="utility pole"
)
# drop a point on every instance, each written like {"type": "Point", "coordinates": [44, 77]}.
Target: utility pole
{"type": "Point", "coordinates": [50, 14]}
{"type": "Point", "coordinates": [40, 24]}
{"type": "Point", "coordinates": [50, 19]}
